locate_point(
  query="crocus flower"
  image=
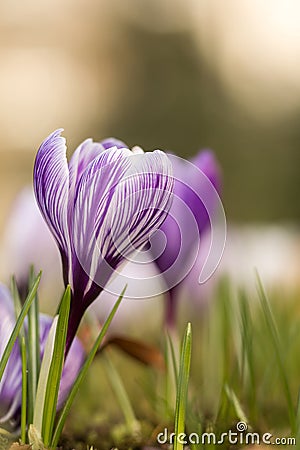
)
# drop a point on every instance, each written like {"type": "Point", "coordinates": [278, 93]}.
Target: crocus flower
{"type": "Point", "coordinates": [11, 383]}
{"type": "Point", "coordinates": [27, 241]}
{"type": "Point", "coordinates": [187, 220]}
{"type": "Point", "coordinates": [100, 207]}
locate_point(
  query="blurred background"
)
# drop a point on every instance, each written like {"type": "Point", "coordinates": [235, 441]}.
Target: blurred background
{"type": "Point", "coordinates": [170, 74]}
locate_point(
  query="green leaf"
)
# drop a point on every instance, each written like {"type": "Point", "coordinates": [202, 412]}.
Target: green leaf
{"type": "Point", "coordinates": [182, 390]}
{"type": "Point", "coordinates": [43, 378]}
{"type": "Point", "coordinates": [18, 325]}
{"type": "Point", "coordinates": [33, 345]}
{"type": "Point", "coordinates": [16, 297]}
{"type": "Point", "coordinates": [65, 410]}
{"type": "Point", "coordinates": [24, 390]}
{"type": "Point", "coordinates": [56, 368]}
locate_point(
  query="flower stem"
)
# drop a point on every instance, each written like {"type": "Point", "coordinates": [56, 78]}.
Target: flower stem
{"type": "Point", "coordinates": [170, 310]}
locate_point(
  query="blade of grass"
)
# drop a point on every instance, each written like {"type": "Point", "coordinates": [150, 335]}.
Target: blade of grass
{"type": "Point", "coordinates": [247, 354]}
{"type": "Point", "coordinates": [56, 368]}
{"type": "Point", "coordinates": [297, 434]}
{"type": "Point", "coordinates": [182, 389]}
{"type": "Point", "coordinates": [18, 325]}
{"type": "Point", "coordinates": [226, 314]}
{"type": "Point", "coordinates": [238, 409]}
{"type": "Point", "coordinates": [173, 356]}
{"type": "Point", "coordinates": [278, 350]}
{"type": "Point", "coordinates": [80, 377]}
{"type": "Point", "coordinates": [24, 390]}
{"type": "Point", "coordinates": [121, 394]}
{"type": "Point", "coordinates": [43, 378]}
{"type": "Point", "coordinates": [172, 348]}
{"type": "Point", "coordinates": [16, 296]}
{"type": "Point", "coordinates": [33, 344]}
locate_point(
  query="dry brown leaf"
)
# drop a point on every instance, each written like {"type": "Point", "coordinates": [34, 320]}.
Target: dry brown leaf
{"type": "Point", "coordinates": [144, 353]}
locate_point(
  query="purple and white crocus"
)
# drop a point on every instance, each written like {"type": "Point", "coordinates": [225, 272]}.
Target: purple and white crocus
{"type": "Point", "coordinates": [196, 187]}
{"type": "Point", "coordinates": [11, 383]}
{"type": "Point", "coordinates": [101, 207]}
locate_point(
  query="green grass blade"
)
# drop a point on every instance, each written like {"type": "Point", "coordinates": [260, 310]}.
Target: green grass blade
{"type": "Point", "coordinates": [173, 355]}
{"type": "Point", "coordinates": [183, 380]}
{"type": "Point", "coordinates": [33, 343]}
{"type": "Point", "coordinates": [56, 368]}
{"type": "Point", "coordinates": [172, 349]}
{"type": "Point", "coordinates": [24, 390]}
{"type": "Point", "coordinates": [248, 365]}
{"type": "Point", "coordinates": [278, 350]}
{"type": "Point", "coordinates": [18, 325]}
{"type": "Point", "coordinates": [66, 408]}
{"type": "Point", "coordinates": [43, 378]}
{"type": "Point", "coordinates": [235, 403]}
{"type": "Point", "coordinates": [16, 296]}
{"type": "Point", "coordinates": [297, 434]}
{"type": "Point", "coordinates": [120, 393]}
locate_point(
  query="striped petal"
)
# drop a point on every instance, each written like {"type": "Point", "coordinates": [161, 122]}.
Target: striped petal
{"type": "Point", "coordinates": [92, 202]}
{"type": "Point", "coordinates": [85, 154]}
{"type": "Point", "coordinates": [112, 142]}
{"type": "Point", "coordinates": [195, 197]}
{"type": "Point", "coordinates": [142, 201]}
{"type": "Point", "coordinates": [81, 158]}
{"type": "Point", "coordinates": [120, 200]}
{"type": "Point", "coordinates": [51, 185]}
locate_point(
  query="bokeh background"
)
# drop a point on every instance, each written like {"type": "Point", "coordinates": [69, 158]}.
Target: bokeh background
{"type": "Point", "coordinates": [179, 75]}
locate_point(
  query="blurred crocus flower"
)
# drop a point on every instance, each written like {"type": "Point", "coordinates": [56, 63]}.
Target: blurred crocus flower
{"type": "Point", "coordinates": [188, 218]}
{"type": "Point", "coordinates": [26, 242]}
{"type": "Point", "coordinates": [100, 207]}
{"type": "Point", "coordinates": [11, 383]}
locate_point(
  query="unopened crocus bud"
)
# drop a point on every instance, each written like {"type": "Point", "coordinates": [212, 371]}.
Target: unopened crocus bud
{"type": "Point", "coordinates": [28, 242]}
{"type": "Point", "coordinates": [195, 194]}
